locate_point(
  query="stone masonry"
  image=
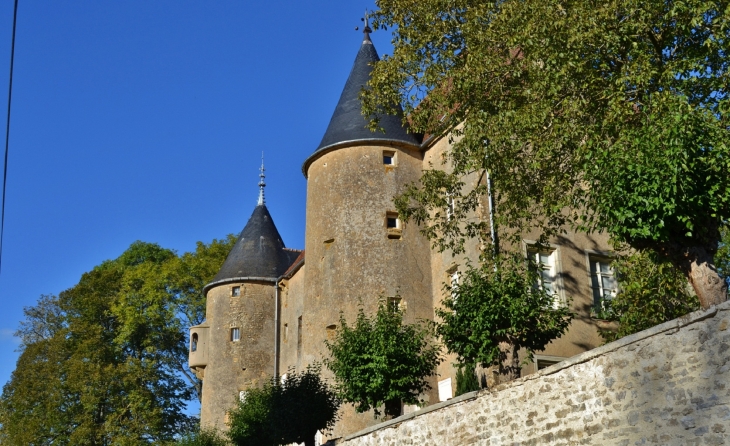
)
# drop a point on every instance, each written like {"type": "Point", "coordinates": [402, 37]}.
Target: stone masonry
{"type": "Point", "coordinates": [669, 385]}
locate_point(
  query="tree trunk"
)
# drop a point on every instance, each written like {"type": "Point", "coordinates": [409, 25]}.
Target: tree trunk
{"type": "Point", "coordinates": [509, 362]}
{"type": "Point", "coordinates": [700, 270]}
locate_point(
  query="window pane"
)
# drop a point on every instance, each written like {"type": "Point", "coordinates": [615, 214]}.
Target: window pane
{"type": "Point", "coordinates": [605, 267]}
{"type": "Point", "coordinates": [608, 283]}
{"type": "Point", "coordinates": [545, 259]}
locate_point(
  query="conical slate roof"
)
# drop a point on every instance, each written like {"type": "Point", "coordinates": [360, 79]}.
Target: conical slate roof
{"type": "Point", "coordinates": [347, 123]}
{"type": "Point", "coordinates": [259, 252]}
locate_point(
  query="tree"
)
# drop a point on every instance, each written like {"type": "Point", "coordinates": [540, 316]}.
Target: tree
{"type": "Point", "coordinates": [183, 279]}
{"type": "Point", "coordinates": [101, 363]}
{"type": "Point", "coordinates": [608, 117]}
{"type": "Point", "coordinates": [466, 381]}
{"type": "Point", "coordinates": [651, 291]}
{"type": "Point", "coordinates": [303, 405]}
{"type": "Point", "coordinates": [250, 422]}
{"type": "Point", "coordinates": [495, 312]}
{"type": "Point", "coordinates": [379, 360]}
{"type": "Point", "coordinates": [202, 437]}
{"type": "Point", "coordinates": [285, 412]}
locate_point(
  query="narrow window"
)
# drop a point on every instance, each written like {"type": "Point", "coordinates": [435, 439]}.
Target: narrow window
{"type": "Point", "coordinates": [286, 332]}
{"type": "Point", "coordinates": [450, 207]}
{"type": "Point", "coordinates": [388, 158]}
{"type": "Point", "coordinates": [393, 225]}
{"type": "Point", "coordinates": [603, 281]}
{"type": "Point", "coordinates": [194, 342]}
{"type": "Point", "coordinates": [445, 391]}
{"type": "Point", "coordinates": [236, 291]}
{"type": "Point", "coordinates": [235, 334]}
{"type": "Point", "coordinates": [299, 338]}
{"type": "Point", "coordinates": [545, 263]}
{"type": "Point", "coordinates": [454, 277]}
{"type": "Point", "coordinates": [242, 395]}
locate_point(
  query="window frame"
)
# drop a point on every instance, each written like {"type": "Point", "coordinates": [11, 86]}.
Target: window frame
{"type": "Point", "coordinates": [393, 159]}
{"type": "Point", "coordinates": [529, 247]}
{"type": "Point", "coordinates": [599, 256]}
{"type": "Point", "coordinates": [235, 334]}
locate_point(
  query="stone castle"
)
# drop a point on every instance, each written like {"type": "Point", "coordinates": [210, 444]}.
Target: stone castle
{"type": "Point", "coordinates": [270, 308]}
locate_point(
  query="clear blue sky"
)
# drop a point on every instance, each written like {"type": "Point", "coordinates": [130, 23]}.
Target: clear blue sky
{"type": "Point", "coordinates": [145, 120]}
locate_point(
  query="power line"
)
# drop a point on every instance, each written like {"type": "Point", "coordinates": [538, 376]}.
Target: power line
{"type": "Point", "coordinates": [7, 132]}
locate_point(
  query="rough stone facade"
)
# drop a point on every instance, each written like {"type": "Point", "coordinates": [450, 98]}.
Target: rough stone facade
{"type": "Point", "coordinates": [236, 365]}
{"type": "Point", "coordinates": [669, 385]}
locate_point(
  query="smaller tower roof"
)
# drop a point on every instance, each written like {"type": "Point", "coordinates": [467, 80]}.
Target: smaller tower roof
{"type": "Point", "coordinates": [347, 123]}
{"type": "Point", "coordinates": [259, 252]}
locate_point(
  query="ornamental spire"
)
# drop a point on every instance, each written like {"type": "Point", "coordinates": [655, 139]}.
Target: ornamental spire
{"type": "Point", "coordinates": [262, 184]}
{"type": "Point", "coordinates": [366, 30]}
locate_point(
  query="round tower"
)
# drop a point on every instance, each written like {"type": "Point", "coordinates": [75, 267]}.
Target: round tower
{"type": "Point", "coordinates": [235, 348]}
{"type": "Point", "coordinates": [357, 247]}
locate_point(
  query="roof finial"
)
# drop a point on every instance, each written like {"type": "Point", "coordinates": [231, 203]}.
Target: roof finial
{"type": "Point", "coordinates": [262, 184]}
{"type": "Point", "coordinates": [366, 30]}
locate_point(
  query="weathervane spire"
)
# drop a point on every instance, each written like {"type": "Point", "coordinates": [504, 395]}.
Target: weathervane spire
{"type": "Point", "coordinates": [366, 30]}
{"type": "Point", "coordinates": [262, 184]}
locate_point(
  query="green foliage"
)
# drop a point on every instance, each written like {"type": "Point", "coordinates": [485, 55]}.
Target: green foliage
{"type": "Point", "coordinates": [250, 422]}
{"type": "Point", "coordinates": [286, 412]}
{"type": "Point", "coordinates": [105, 361]}
{"type": "Point", "coordinates": [380, 360]}
{"type": "Point", "coordinates": [466, 380]}
{"type": "Point", "coordinates": [606, 116]}
{"type": "Point", "coordinates": [303, 405]}
{"type": "Point", "coordinates": [722, 258]}
{"type": "Point", "coordinates": [651, 291]}
{"type": "Point", "coordinates": [202, 437]}
{"type": "Point", "coordinates": [494, 312]}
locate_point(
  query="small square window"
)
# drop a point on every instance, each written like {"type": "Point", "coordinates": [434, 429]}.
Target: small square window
{"type": "Point", "coordinates": [236, 291]}
{"type": "Point", "coordinates": [392, 222]}
{"type": "Point", "coordinates": [394, 304]}
{"type": "Point", "coordinates": [235, 334]}
{"type": "Point", "coordinates": [331, 332]}
{"type": "Point", "coordinates": [388, 158]}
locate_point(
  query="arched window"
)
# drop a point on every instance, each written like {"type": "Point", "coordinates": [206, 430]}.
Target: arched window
{"type": "Point", "coordinates": [194, 342]}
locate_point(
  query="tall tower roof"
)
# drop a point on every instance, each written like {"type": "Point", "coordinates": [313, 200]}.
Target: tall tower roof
{"type": "Point", "coordinates": [347, 124]}
{"type": "Point", "coordinates": [259, 252]}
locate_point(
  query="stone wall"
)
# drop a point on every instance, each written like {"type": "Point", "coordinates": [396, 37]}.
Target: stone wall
{"type": "Point", "coordinates": [669, 385]}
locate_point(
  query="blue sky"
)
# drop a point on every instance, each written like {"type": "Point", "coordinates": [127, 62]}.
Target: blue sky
{"type": "Point", "coordinates": [145, 120]}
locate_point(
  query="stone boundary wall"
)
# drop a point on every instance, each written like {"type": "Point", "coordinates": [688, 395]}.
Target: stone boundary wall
{"type": "Point", "coordinates": [669, 385]}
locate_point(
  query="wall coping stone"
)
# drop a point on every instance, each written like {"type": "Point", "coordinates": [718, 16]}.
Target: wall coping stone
{"type": "Point", "coordinates": [670, 327]}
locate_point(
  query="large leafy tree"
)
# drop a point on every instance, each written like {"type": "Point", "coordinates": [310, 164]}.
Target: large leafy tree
{"type": "Point", "coordinates": [495, 312]}
{"type": "Point", "coordinates": [101, 363]}
{"type": "Point", "coordinates": [609, 116]}
{"type": "Point", "coordinates": [380, 361]}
